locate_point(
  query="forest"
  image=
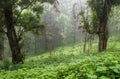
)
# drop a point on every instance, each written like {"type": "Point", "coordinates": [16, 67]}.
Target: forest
{"type": "Point", "coordinates": [59, 39]}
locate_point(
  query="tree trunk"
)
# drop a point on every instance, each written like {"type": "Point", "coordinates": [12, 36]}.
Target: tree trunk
{"type": "Point", "coordinates": [17, 57]}
{"type": "Point", "coordinates": [103, 36]}
{"type": "Point", "coordinates": [1, 47]}
{"type": "Point", "coordinates": [46, 39]}
{"type": "Point", "coordinates": [85, 42]}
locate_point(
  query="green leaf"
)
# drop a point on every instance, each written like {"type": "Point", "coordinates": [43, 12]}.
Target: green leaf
{"type": "Point", "coordinates": [103, 77]}
{"type": "Point", "coordinates": [101, 69]}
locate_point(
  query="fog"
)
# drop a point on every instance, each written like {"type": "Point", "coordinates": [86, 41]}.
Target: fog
{"type": "Point", "coordinates": [61, 27]}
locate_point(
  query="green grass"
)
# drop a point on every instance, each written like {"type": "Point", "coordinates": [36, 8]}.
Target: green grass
{"type": "Point", "coordinates": [67, 62]}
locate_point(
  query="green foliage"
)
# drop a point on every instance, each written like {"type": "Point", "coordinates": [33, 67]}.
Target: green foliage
{"type": "Point", "coordinates": [104, 66]}
{"type": "Point", "coordinates": [99, 12]}
{"type": "Point", "coordinates": [5, 64]}
{"type": "Point", "coordinates": [26, 14]}
{"type": "Point", "coordinates": [38, 9]}
{"type": "Point", "coordinates": [68, 63]}
{"type": "Point", "coordinates": [29, 21]}
{"type": "Point", "coordinates": [90, 23]}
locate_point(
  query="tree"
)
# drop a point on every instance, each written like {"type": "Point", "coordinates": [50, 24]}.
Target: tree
{"type": "Point", "coordinates": [13, 20]}
{"type": "Point", "coordinates": [1, 38]}
{"type": "Point", "coordinates": [52, 32]}
{"type": "Point", "coordinates": [97, 23]}
{"type": "Point", "coordinates": [1, 46]}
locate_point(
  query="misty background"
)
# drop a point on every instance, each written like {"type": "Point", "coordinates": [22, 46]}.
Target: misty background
{"type": "Point", "coordinates": [61, 27]}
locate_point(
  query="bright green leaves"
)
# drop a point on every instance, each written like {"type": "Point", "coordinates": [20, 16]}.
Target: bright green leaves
{"type": "Point", "coordinates": [68, 65]}
{"type": "Point", "coordinates": [103, 77]}
{"type": "Point", "coordinates": [29, 21]}
{"type": "Point", "coordinates": [107, 66]}
{"type": "Point", "coordinates": [115, 68]}
{"type": "Point", "coordinates": [101, 69]}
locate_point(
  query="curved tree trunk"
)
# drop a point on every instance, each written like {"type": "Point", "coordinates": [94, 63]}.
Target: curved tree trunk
{"type": "Point", "coordinates": [17, 57]}
{"type": "Point", "coordinates": [103, 36]}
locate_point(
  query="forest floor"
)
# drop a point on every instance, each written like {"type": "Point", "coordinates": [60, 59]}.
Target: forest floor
{"type": "Point", "coordinates": [67, 62]}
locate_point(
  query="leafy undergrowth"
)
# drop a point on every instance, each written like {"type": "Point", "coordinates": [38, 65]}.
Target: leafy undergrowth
{"type": "Point", "coordinates": [101, 66]}
{"type": "Point", "coordinates": [67, 63]}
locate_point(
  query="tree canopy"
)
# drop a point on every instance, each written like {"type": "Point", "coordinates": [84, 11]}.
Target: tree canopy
{"type": "Point", "coordinates": [17, 17]}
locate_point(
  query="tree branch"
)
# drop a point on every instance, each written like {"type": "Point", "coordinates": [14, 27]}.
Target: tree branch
{"type": "Point", "coordinates": [2, 29]}
{"type": "Point", "coordinates": [20, 34]}
{"type": "Point", "coordinates": [15, 21]}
